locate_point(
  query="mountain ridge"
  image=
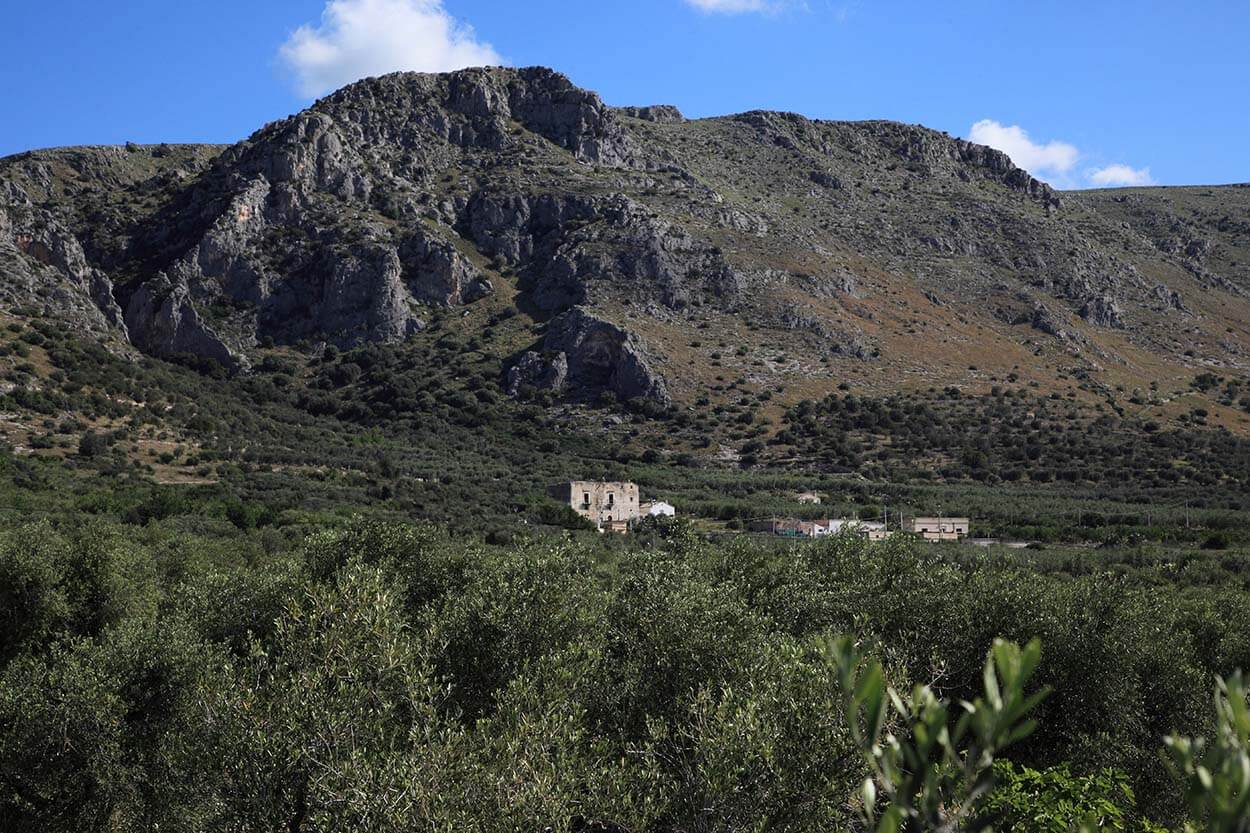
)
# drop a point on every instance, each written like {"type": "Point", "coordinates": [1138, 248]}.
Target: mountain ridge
{"type": "Point", "coordinates": [818, 251]}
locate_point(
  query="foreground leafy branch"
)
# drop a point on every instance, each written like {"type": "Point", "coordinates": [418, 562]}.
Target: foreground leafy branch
{"type": "Point", "coordinates": [929, 768]}
{"type": "Point", "coordinates": [1217, 773]}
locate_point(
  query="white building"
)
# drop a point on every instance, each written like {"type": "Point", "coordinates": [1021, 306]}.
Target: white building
{"type": "Point", "coordinates": [872, 530]}
{"type": "Point", "coordinates": [659, 509]}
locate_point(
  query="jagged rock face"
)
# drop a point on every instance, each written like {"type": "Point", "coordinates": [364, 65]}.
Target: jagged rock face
{"type": "Point", "coordinates": [293, 175]}
{"type": "Point", "coordinates": [569, 246]}
{"type": "Point", "coordinates": [1043, 320]}
{"type": "Point", "coordinates": [357, 295]}
{"type": "Point", "coordinates": [1000, 166]}
{"type": "Point", "coordinates": [43, 265]}
{"type": "Point", "coordinates": [474, 108]}
{"type": "Point", "coordinates": [1170, 298]}
{"type": "Point", "coordinates": [223, 261]}
{"type": "Point", "coordinates": [1104, 311]}
{"type": "Point", "coordinates": [437, 273]}
{"type": "Point", "coordinates": [588, 354]}
{"type": "Point", "coordinates": [162, 320]}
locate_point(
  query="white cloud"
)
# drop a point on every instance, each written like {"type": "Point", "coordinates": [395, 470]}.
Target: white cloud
{"type": "Point", "coordinates": [1113, 175]}
{"type": "Point", "coordinates": [1051, 159]}
{"type": "Point", "coordinates": [733, 6]}
{"type": "Point", "coordinates": [359, 38]}
{"type": "Point", "coordinates": [1054, 161]}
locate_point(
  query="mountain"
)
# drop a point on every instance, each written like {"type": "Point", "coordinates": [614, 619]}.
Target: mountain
{"type": "Point", "coordinates": [648, 255]}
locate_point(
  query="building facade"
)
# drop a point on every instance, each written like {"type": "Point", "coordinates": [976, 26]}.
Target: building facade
{"type": "Point", "coordinates": [609, 505]}
{"type": "Point", "coordinates": [939, 529]}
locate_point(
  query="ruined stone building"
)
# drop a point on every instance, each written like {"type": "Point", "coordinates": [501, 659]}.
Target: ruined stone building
{"type": "Point", "coordinates": [608, 505]}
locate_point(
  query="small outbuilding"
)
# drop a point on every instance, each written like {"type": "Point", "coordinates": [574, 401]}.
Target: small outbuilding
{"type": "Point", "coordinates": [658, 509]}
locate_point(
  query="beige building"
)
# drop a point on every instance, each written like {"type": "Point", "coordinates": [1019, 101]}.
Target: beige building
{"type": "Point", "coordinates": [939, 529]}
{"type": "Point", "coordinates": [608, 505]}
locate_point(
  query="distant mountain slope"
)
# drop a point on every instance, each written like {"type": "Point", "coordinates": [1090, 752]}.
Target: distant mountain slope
{"type": "Point", "coordinates": [655, 255]}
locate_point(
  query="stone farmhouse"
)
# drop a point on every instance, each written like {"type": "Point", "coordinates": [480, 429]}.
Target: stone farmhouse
{"type": "Point", "coordinates": [610, 505]}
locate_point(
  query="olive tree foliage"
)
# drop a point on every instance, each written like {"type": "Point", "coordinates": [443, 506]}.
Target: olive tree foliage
{"type": "Point", "coordinates": [315, 729]}
{"type": "Point", "coordinates": [392, 678]}
{"type": "Point", "coordinates": [1056, 800]}
{"type": "Point", "coordinates": [1216, 772]}
{"type": "Point", "coordinates": [104, 733]}
{"type": "Point", "coordinates": [931, 765]}
{"type": "Point", "coordinates": [55, 584]}
{"type": "Point", "coordinates": [350, 716]}
{"type": "Point", "coordinates": [768, 751]}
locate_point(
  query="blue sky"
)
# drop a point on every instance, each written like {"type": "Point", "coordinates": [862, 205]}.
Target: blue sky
{"type": "Point", "coordinates": [1082, 93]}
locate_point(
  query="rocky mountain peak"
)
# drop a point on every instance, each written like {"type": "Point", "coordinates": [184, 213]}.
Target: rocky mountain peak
{"type": "Point", "coordinates": [477, 108]}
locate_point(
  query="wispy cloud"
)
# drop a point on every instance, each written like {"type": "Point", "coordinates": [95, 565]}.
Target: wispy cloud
{"type": "Point", "coordinates": [735, 6]}
{"type": "Point", "coordinates": [1054, 161]}
{"type": "Point", "coordinates": [1113, 175]}
{"type": "Point", "coordinates": [359, 38]}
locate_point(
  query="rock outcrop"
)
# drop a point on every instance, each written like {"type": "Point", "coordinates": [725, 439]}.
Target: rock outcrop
{"type": "Point", "coordinates": [436, 272]}
{"type": "Point", "coordinates": [658, 113]}
{"type": "Point", "coordinates": [569, 246]}
{"type": "Point", "coordinates": [540, 372]}
{"type": "Point", "coordinates": [162, 320]}
{"type": "Point", "coordinates": [1043, 320]}
{"type": "Point", "coordinates": [44, 266]}
{"type": "Point", "coordinates": [1104, 311]}
{"type": "Point", "coordinates": [476, 108]}
{"type": "Point", "coordinates": [586, 354]}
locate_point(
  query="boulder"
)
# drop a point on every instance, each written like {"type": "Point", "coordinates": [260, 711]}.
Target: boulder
{"type": "Point", "coordinates": [1043, 320]}
{"type": "Point", "coordinates": [592, 355]}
